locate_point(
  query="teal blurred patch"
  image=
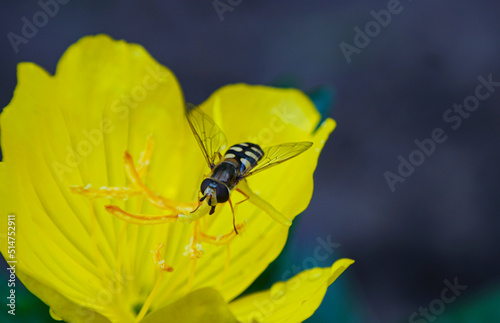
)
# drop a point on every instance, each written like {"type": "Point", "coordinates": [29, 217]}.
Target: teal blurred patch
{"type": "Point", "coordinates": [340, 304]}
{"type": "Point", "coordinates": [323, 98]}
{"type": "Point", "coordinates": [28, 308]}
{"type": "Point", "coordinates": [484, 307]}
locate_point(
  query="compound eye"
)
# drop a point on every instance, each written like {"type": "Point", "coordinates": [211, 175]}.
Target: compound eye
{"type": "Point", "coordinates": [222, 193]}
{"type": "Point", "coordinates": [205, 184]}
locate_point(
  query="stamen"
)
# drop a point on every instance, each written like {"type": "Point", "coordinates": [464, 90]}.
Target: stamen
{"type": "Point", "coordinates": [140, 218]}
{"type": "Point", "coordinates": [195, 215]}
{"type": "Point", "coordinates": [121, 193]}
{"type": "Point", "coordinates": [191, 276]}
{"type": "Point", "coordinates": [119, 258]}
{"type": "Point", "coordinates": [160, 263]}
{"type": "Point", "coordinates": [99, 258]}
{"type": "Point", "coordinates": [193, 250]}
{"type": "Point", "coordinates": [226, 267]}
{"type": "Point", "coordinates": [223, 238]}
{"type": "Point", "coordinates": [152, 197]}
{"type": "Point", "coordinates": [143, 163]}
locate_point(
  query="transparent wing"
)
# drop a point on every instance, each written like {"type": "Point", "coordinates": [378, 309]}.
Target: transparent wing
{"type": "Point", "coordinates": [278, 154]}
{"type": "Point", "coordinates": [208, 135]}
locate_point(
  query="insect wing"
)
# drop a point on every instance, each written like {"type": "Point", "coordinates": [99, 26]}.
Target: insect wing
{"type": "Point", "coordinates": [208, 135]}
{"type": "Point", "coordinates": [278, 154]}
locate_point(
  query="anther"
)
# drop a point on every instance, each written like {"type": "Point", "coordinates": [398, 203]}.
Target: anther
{"type": "Point", "coordinates": [193, 250]}
{"type": "Point", "coordinates": [159, 261]}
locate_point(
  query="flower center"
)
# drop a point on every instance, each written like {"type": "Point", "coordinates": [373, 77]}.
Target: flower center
{"type": "Point", "coordinates": [170, 211]}
{"type": "Point", "coordinates": [174, 212]}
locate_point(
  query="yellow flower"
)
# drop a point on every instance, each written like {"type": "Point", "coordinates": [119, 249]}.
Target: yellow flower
{"type": "Point", "coordinates": [72, 129]}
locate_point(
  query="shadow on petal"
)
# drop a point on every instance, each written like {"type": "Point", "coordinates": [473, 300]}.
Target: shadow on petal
{"type": "Point", "coordinates": [200, 306]}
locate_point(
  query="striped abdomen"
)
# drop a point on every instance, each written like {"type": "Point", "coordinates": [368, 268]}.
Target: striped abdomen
{"type": "Point", "coordinates": [245, 155]}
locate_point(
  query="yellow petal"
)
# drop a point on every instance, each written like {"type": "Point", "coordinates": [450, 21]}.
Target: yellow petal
{"type": "Point", "coordinates": [62, 308]}
{"type": "Point", "coordinates": [261, 114]}
{"type": "Point", "coordinates": [72, 129]}
{"type": "Point", "coordinates": [200, 306]}
{"type": "Point", "coordinates": [292, 301]}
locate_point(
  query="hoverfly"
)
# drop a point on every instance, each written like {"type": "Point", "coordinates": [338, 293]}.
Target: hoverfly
{"type": "Point", "coordinates": [238, 162]}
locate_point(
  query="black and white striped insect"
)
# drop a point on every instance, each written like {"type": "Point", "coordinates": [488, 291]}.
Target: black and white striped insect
{"type": "Point", "coordinates": [238, 162]}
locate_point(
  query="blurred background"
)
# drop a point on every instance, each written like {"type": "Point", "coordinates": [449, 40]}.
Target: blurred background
{"type": "Point", "coordinates": [387, 71]}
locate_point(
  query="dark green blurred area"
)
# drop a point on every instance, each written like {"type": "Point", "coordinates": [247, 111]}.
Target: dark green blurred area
{"type": "Point", "coordinates": [28, 307]}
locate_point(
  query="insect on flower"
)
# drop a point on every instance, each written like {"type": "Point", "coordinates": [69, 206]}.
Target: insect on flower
{"type": "Point", "coordinates": [228, 172]}
{"type": "Point", "coordinates": [91, 259]}
{"type": "Point", "coordinates": [239, 161]}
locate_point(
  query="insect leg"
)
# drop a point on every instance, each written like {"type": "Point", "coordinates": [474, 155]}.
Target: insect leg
{"type": "Point", "coordinates": [263, 205]}
{"type": "Point", "coordinates": [244, 200]}
{"type": "Point", "coordinates": [232, 211]}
